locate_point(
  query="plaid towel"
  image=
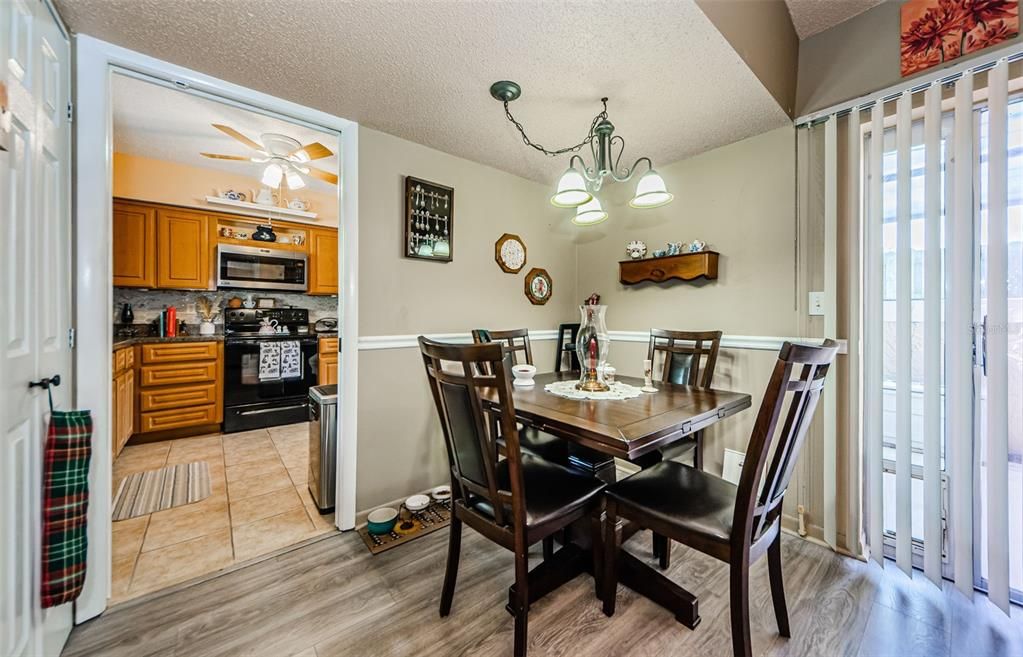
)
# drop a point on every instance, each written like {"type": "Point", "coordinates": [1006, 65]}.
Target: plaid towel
{"type": "Point", "coordinates": [65, 502]}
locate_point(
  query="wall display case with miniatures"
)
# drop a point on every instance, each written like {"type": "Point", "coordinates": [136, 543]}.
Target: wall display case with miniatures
{"type": "Point", "coordinates": [429, 220]}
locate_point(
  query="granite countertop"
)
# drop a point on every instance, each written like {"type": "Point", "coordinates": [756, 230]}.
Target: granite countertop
{"type": "Point", "coordinates": [121, 342]}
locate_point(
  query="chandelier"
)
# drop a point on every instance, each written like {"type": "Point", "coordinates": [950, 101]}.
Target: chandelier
{"type": "Point", "coordinates": [578, 186]}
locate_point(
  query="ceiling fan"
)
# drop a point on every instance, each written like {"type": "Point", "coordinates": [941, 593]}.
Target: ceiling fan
{"type": "Point", "coordinates": [285, 158]}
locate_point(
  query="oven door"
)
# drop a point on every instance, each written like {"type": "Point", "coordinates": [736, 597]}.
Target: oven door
{"type": "Point", "coordinates": [242, 384]}
{"type": "Point", "coordinates": [259, 268]}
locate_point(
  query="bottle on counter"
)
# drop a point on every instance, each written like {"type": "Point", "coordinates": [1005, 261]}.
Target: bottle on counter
{"type": "Point", "coordinates": [172, 322]}
{"type": "Point", "coordinates": [127, 315]}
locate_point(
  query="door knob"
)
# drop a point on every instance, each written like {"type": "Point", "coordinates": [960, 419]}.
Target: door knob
{"type": "Point", "coordinates": [46, 382]}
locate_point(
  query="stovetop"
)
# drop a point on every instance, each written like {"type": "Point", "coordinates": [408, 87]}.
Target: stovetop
{"type": "Point", "coordinates": [245, 322]}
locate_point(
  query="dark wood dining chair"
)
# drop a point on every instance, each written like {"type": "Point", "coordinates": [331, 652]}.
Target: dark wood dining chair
{"type": "Point", "coordinates": [531, 439]}
{"type": "Point", "coordinates": [685, 358]}
{"type": "Point", "coordinates": [731, 523]}
{"type": "Point", "coordinates": [516, 501]}
{"type": "Point", "coordinates": [567, 333]}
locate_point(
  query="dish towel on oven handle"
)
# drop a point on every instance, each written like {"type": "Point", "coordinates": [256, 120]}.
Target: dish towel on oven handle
{"type": "Point", "coordinates": [269, 360]}
{"type": "Point", "coordinates": [65, 504]}
{"type": "Point", "coordinates": [291, 360]}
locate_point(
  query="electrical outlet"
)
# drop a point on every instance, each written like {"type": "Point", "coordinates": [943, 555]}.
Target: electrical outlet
{"type": "Point", "coordinates": [816, 303]}
{"type": "Point", "coordinates": [189, 308]}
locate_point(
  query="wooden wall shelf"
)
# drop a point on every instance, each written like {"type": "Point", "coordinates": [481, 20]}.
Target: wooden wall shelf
{"type": "Point", "coordinates": [684, 267]}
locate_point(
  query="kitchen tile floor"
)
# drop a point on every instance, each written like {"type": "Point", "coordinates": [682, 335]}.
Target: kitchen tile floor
{"type": "Point", "coordinates": [259, 503]}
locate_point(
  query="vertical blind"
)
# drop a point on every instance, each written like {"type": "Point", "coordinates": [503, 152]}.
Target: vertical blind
{"type": "Point", "coordinates": [940, 187]}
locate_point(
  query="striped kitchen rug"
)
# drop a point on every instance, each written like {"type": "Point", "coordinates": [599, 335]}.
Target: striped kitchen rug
{"type": "Point", "coordinates": [157, 490]}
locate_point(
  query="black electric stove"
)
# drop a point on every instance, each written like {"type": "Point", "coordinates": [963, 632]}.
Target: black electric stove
{"type": "Point", "coordinates": [252, 402]}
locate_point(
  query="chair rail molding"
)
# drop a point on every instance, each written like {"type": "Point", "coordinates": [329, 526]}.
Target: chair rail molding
{"type": "Point", "coordinates": [755, 342]}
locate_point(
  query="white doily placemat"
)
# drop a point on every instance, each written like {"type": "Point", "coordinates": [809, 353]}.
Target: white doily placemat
{"type": "Point", "coordinates": [568, 390]}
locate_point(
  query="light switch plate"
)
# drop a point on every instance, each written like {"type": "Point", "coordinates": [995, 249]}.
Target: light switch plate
{"type": "Point", "coordinates": [816, 303]}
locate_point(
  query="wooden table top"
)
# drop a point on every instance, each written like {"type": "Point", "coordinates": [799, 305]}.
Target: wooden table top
{"type": "Point", "coordinates": [624, 428]}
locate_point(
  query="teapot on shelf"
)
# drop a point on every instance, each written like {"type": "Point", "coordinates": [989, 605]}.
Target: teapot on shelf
{"type": "Point", "coordinates": [267, 326]}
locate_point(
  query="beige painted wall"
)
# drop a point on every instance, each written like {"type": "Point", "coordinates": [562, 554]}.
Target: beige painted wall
{"type": "Point", "coordinates": [856, 57]}
{"type": "Point", "coordinates": [148, 179]}
{"type": "Point", "coordinates": [761, 32]}
{"type": "Point", "coordinates": [401, 449]}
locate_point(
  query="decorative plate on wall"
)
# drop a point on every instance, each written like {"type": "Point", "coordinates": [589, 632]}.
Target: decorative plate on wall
{"type": "Point", "coordinates": [539, 286]}
{"type": "Point", "coordinates": [510, 253]}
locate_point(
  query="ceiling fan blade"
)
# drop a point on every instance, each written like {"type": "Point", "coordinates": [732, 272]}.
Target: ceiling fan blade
{"type": "Point", "coordinates": [314, 151]}
{"type": "Point", "coordinates": [322, 175]}
{"type": "Point", "coordinates": [231, 132]}
{"type": "Point", "coordinates": [220, 156]}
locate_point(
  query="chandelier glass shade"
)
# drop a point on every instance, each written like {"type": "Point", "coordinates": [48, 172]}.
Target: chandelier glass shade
{"type": "Point", "coordinates": [578, 186]}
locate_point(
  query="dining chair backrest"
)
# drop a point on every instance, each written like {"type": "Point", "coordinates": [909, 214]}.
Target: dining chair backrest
{"type": "Point", "coordinates": [514, 340]}
{"type": "Point", "coordinates": [689, 356]}
{"type": "Point", "coordinates": [800, 370]}
{"type": "Point", "coordinates": [567, 333]}
{"type": "Point", "coordinates": [456, 374]}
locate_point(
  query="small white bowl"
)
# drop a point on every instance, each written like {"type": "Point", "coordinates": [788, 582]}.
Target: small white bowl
{"type": "Point", "coordinates": [417, 502]}
{"type": "Point", "coordinates": [441, 493]}
{"type": "Point", "coordinates": [524, 374]}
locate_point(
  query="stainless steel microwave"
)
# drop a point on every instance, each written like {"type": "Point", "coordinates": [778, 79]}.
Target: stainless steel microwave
{"type": "Point", "coordinates": [263, 269]}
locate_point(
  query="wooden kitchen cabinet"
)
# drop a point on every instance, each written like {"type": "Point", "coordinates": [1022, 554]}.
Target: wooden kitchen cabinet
{"type": "Point", "coordinates": [123, 399]}
{"type": "Point", "coordinates": [183, 250]}
{"type": "Point", "coordinates": [134, 245]}
{"type": "Point", "coordinates": [323, 263]}
{"type": "Point", "coordinates": [180, 386]}
{"type": "Point", "coordinates": [327, 351]}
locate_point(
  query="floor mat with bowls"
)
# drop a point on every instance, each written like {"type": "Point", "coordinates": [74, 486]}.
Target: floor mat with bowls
{"type": "Point", "coordinates": [436, 516]}
{"type": "Point", "coordinates": [157, 490]}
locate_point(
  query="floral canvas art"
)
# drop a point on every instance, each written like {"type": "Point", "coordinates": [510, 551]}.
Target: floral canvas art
{"type": "Point", "coordinates": [937, 31]}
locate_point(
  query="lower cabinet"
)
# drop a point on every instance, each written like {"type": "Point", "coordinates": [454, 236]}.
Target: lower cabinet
{"type": "Point", "coordinates": [327, 351]}
{"type": "Point", "coordinates": [180, 385]}
{"type": "Point", "coordinates": [123, 399]}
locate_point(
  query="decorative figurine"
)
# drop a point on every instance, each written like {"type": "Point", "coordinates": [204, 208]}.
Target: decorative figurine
{"type": "Point", "coordinates": [659, 253]}
{"type": "Point", "coordinates": [648, 376]}
{"type": "Point", "coordinates": [697, 246]}
{"type": "Point", "coordinates": [592, 300]}
{"type": "Point", "coordinates": [636, 249]}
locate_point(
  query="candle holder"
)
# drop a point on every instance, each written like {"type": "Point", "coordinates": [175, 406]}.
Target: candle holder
{"type": "Point", "coordinates": [591, 347]}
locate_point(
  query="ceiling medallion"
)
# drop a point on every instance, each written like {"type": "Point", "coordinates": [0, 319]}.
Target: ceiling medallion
{"type": "Point", "coordinates": [579, 185]}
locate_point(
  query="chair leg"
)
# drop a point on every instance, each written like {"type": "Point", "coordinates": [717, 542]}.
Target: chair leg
{"type": "Point", "coordinates": [521, 602]}
{"type": "Point", "coordinates": [664, 552]}
{"type": "Point", "coordinates": [777, 589]}
{"type": "Point", "coordinates": [611, 547]}
{"type": "Point", "coordinates": [698, 452]}
{"type": "Point", "coordinates": [739, 606]}
{"type": "Point", "coordinates": [451, 572]}
{"type": "Point", "coordinates": [548, 548]}
{"type": "Point", "coordinates": [597, 539]}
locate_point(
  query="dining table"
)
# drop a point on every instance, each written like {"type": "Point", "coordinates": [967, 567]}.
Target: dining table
{"type": "Point", "coordinates": [627, 429]}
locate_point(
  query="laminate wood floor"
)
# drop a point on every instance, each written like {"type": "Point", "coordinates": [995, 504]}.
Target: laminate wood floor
{"type": "Point", "coordinates": [332, 598]}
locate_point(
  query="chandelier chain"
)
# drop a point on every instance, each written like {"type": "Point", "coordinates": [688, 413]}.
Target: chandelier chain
{"type": "Point", "coordinates": [561, 151]}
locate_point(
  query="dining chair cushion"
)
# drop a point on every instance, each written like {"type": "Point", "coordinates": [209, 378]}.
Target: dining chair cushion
{"type": "Point", "coordinates": [552, 490]}
{"type": "Point", "coordinates": [540, 443]}
{"type": "Point", "coordinates": [682, 496]}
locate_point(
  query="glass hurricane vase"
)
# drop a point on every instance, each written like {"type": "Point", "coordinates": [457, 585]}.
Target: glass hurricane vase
{"type": "Point", "coordinates": [591, 347]}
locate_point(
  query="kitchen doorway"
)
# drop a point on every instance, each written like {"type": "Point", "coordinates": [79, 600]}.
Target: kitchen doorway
{"type": "Point", "coordinates": [141, 168]}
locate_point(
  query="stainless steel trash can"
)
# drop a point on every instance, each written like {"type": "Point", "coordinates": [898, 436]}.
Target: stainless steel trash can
{"type": "Point", "coordinates": [323, 446]}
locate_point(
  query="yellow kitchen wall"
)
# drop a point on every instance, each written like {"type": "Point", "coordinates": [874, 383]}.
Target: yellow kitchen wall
{"type": "Point", "coordinates": [160, 181]}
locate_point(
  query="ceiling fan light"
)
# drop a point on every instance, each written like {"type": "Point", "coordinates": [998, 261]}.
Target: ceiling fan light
{"type": "Point", "coordinates": [294, 180]}
{"type": "Point", "coordinates": [572, 190]}
{"type": "Point", "coordinates": [301, 155]}
{"type": "Point", "coordinates": [272, 175]}
{"type": "Point", "coordinates": [589, 213]}
{"type": "Point", "coordinates": [651, 192]}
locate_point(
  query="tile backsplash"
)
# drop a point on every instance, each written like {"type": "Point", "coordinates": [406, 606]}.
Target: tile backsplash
{"type": "Point", "coordinates": [148, 304]}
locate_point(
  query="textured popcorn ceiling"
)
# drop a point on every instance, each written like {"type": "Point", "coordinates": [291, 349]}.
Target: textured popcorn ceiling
{"type": "Point", "coordinates": [812, 16]}
{"type": "Point", "coordinates": [172, 125]}
{"type": "Point", "coordinates": [421, 70]}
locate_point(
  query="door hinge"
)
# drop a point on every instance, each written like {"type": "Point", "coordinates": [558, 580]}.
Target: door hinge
{"type": "Point", "coordinates": [70, 112]}
{"type": "Point", "coordinates": [71, 338]}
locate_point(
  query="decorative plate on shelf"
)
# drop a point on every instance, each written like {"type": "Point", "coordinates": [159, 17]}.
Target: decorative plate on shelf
{"type": "Point", "coordinates": [510, 253]}
{"type": "Point", "coordinates": [539, 286]}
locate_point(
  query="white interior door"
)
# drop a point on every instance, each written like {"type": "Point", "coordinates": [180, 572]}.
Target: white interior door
{"type": "Point", "coordinates": [36, 302]}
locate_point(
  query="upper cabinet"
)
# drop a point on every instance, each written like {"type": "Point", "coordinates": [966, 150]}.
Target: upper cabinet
{"type": "Point", "coordinates": [134, 245]}
{"type": "Point", "coordinates": [323, 269]}
{"type": "Point", "coordinates": [183, 246]}
{"type": "Point", "coordinates": [164, 246]}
